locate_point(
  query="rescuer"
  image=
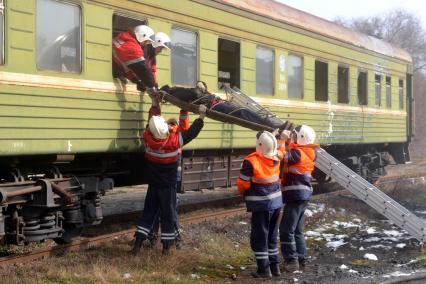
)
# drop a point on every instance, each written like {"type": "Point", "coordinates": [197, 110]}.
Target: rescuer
{"type": "Point", "coordinates": [296, 169]}
{"type": "Point", "coordinates": [162, 149]}
{"type": "Point", "coordinates": [259, 182]}
{"type": "Point", "coordinates": [161, 42]}
{"type": "Point", "coordinates": [129, 57]}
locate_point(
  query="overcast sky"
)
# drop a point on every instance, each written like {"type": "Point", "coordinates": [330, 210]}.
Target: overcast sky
{"type": "Point", "coordinates": [330, 9]}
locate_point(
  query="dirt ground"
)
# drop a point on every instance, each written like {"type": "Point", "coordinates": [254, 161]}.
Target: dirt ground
{"type": "Point", "coordinates": [344, 238]}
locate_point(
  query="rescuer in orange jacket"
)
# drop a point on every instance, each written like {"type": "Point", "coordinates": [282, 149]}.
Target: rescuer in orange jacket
{"type": "Point", "coordinates": [259, 182]}
{"type": "Point", "coordinates": [162, 149]}
{"type": "Point", "coordinates": [297, 166]}
{"type": "Point", "coordinates": [129, 56]}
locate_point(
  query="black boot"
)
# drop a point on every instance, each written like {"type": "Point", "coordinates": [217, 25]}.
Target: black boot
{"type": "Point", "coordinates": [262, 273]}
{"type": "Point", "coordinates": [166, 248]}
{"type": "Point", "coordinates": [275, 269]}
{"type": "Point", "coordinates": [137, 246]}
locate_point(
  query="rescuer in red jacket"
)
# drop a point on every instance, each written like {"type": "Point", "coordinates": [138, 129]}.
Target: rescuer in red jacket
{"type": "Point", "coordinates": [129, 56]}
{"type": "Point", "coordinates": [162, 150]}
{"type": "Point", "coordinates": [259, 182]}
{"type": "Point", "coordinates": [296, 178]}
{"type": "Point", "coordinates": [161, 42]}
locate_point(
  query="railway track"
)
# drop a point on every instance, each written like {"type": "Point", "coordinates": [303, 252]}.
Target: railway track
{"type": "Point", "coordinates": [86, 243]}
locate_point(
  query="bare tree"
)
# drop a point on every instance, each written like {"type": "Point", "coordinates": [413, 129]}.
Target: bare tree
{"type": "Point", "coordinates": [398, 27]}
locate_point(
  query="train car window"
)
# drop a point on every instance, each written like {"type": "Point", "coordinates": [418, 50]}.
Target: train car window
{"type": "Point", "coordinates": [362, 88]}
{"type": "Point", "coordinates": [58, 30]}
{"type": "Point", "coordinates": [184, 57]}
{"type": "Point", "coordinates": [388, 92]}
{"type": "Point", "coordinates": [401, 94]}
{"type": "Point", "coordinates": [295, 76]}
{"type": "Point", "coordinates": [321, 81]}
{"type": "Point", "coordinates": [342, 85]}
{"type": "Point", "coordinates": [378, 89]}
{"type": "Point", "coordinates": [228, 63]}
{"type": "Point", "coordinates": [1, 32]}
{"type": "Point", "coordinates": [122, 24]}
{"type": "Point", "coordinates": [264, 70]}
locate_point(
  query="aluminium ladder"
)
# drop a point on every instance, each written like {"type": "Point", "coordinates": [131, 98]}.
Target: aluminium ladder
{"type": "Point", "coordinates": [343, 175]}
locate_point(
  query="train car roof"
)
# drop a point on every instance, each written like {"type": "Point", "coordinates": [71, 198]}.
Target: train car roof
{"type": "Point", "coordinates": [286, 14]}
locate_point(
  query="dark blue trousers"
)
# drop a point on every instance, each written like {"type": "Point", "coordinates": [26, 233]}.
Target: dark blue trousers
{"type": "Point", "coordinates": [293, 246]}
{"type": "Point", "coordinates": [159, 199]}
{"type": "Point", "coordinates": [264, 237]}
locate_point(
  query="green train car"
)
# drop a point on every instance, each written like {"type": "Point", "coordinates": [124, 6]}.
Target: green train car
{"type": "Point", "coordinates": [68, 127]}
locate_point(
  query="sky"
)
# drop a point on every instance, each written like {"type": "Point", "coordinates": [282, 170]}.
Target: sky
{"type": "Point", "coordinates": [347, 9]}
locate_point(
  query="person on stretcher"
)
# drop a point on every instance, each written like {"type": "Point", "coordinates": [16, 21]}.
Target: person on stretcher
{"type": "Point", "coordinates": [200, 95]}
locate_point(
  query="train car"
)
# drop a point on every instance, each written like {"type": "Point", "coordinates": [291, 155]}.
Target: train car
{"type": "Point", "coordinates": [69, 129]}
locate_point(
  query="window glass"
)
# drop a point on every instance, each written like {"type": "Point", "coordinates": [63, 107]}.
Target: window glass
{"type": "Point", "coordinates": [228, 63]}
{"type": "Point", "coordinates": [184, 57]}
{"type": "Point", "coordinates": [264, 70]}
{"type": "Point", "coordinates": [388, 92]}
{"type": "Point", "coordinates": [343, 85]}
{"type": "Point", "coordinates": [321, 81]}
{"type": "Point", "coordinates": [378, 89]}
{"type": "Point", "coordinates": [362, 88]}
{"type": "Point", "coordinates": [58, 36]}
{"type": "Point", "coordinates": [295, 76]}
{"type": "Point", "coordinates": [1, 32]}
{"type": "Point", "coordinates": [401, 94]}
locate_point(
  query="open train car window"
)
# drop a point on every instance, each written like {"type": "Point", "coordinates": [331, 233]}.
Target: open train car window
{"type": "Point", "coordinates": [321, 81]}
{"type": "Point", "coordinates": [123, 24]}
{"type": "Point", "coordinates": [401, 94]}
{"type": "Point", "coordinates": [58, 33]}
{"type": "Point", "coordinates": [184, 57]}
{"type": "Point", "coordinates": [228, 63]}
{"type": "Point", "coordinates": [342, 85]}
{"type": "Point", "coordinates": [388, 92]}
{"type": "Point", "coordinates": [378, 89]}
{"type": "Point", "coordinates": [295, 76]}
{"type": "Point", "coordinates": [1, 32]}
{"type": "Point", "coordinates": [362, 88]}
{"type": "Point", "coordinates": [264, 70]}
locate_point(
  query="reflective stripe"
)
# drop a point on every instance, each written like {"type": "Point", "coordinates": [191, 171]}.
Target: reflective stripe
{"type": "Point", "coordinates": [244, 177]}
{"type": "Point", "coordinates": [136, 60]}
{"type": "Point", "coordinates": [273, 250]}
{"type": "Point", "coordinates": [161, 155]}
{"type": "Point", "coordinates": [297, 171]}
{"type": "Point", "coordinates": [262, 198]}
{"type": "Point", "coordinates": [260, 252]}
{"type": "Point", "coordinates": [180, 140]}
{"type": "Point", "coordinates": [288, 243]}
{"type": "Point", "coordinates": [270, 179]}
{"type": "Point", "coordinates": [298, 187]}
{"type": "Point", "coordinates": [168, 234]}
{"type": "Point", "coordinates": [262, 257]}
{"type": "Point", "coordinates": [142, 230]}
{"type": "Point", "coordinates": [184, 116]}
{"type": "Point", "coordinates": [168, 238]}
{"type": "Point", "coordinates": [273, 253]}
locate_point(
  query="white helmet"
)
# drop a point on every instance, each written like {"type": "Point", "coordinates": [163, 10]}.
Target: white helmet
{"type": "Point", "coordinates": [144, 33]}
{"type": "Point", "coordinates": [161, 40]}
{"type": "Point", "coordinates": [266, 144]}
{"type": "Point", "coordinates": [304, 135]}
{"type": "Point", "coordinates": [158, 127]}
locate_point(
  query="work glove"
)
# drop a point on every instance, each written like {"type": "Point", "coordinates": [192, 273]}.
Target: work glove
{"type": "Point", "coordinates": [140, 87]}
{"type": "Point", "coordinates": [285, 135]}
{"type": "Point", "coordinates": [152, 91]}
{"type": "Point", "coordinates": [202, 109]}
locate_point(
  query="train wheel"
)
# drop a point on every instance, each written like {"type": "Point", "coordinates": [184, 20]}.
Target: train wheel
{"type": "Point", "coordinates": [71, 232]}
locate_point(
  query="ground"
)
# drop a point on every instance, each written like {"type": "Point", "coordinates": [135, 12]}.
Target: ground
{"type": "Point", "coordinates": [344, 238]}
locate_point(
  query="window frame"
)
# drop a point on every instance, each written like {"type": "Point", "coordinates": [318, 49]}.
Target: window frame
{"type": "Point", "coordinates": [321, 61]}
{"type": "Point", "coordinates": [362, 71]}
{"type": "Point", "coordinates": [3, 37]}
{"type": "Point", "coordinates": [348, 83]}
{"type": "Point", "coordinates": [273, 70]}
{"type": "Point", "coordinates": [80, 38]}
{"type": "Point", "coordinates": [197, 53]}
{"type": "Point", "coordinates": [302, 87]}
{"type": "Point", "coordinates": [388, 98]}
